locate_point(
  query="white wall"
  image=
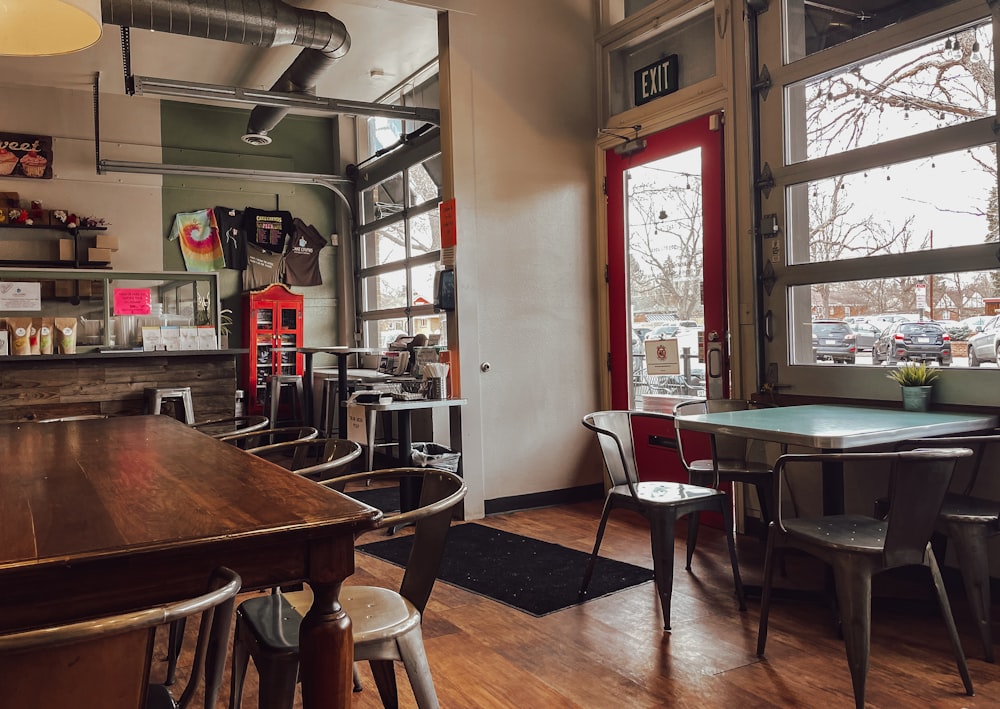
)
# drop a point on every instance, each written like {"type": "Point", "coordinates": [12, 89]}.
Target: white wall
{"type": "Point", "coordinates": [130, 130]}
{"type": "Point", "coordinates": [518, 87]}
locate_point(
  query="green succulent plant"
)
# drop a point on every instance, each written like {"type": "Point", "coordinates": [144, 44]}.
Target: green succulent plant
{"type": "Point", "coordinates": [913, 374]}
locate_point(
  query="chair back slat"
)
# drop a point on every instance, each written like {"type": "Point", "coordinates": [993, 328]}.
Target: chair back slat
{"type": "Point", "coordinates": [616, 432]}
{"type": "Point", "coordinates": [917, 486]}
{"type": "Point", "coordinates": [980, 445]}
{"type": "Point", "coordinates": [440, 492]}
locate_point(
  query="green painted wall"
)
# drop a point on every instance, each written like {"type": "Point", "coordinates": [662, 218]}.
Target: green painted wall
{"type": "Point", "coordinates": [194, 134]}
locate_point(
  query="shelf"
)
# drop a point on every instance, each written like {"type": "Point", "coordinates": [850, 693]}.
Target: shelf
{"type": "Point", "coordinates": [52, 227]}
{"type": "Point", "coordinates": [32, 253]}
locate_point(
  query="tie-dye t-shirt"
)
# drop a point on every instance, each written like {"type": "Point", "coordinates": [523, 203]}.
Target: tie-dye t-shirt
{"type": "Point", "coordinates": [200, 243]}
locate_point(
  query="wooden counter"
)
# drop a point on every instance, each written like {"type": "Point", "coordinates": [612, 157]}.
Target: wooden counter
{"type": "Point", "coordinates": [48, 386]}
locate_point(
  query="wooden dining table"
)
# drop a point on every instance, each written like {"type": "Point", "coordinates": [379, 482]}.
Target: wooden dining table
{"type": "Point", "coordinates": [105, 516]}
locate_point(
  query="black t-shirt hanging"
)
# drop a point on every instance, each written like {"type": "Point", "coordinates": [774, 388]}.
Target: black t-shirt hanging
{"type": "Point", "coordinates": [302, 257]}
{"type": "Point", "coordinates": [267, 229]}
{"type": "Point", "coordinates": [234, 239]}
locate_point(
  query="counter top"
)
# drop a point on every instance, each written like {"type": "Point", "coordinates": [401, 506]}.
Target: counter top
{"type": "Point", "coordinates": [117, 354]}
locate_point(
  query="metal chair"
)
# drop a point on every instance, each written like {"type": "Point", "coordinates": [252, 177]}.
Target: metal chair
{"type": "Point", "coordinates": [180, 397]}
{"type": "Point", "coordinates": [731, 461]}
{"type": "Point", "coordinates": [661, 503]}
{"type": "Point", "coordinates": [858, 547]}
{"type": "Point", "coordinates": [61, 665]}
{"type": "Point", "coordinates": [314, 458]}
{"type": "Point", "coordinates": [270, 436]}
{"type": "Point", "coordinates": [80, 417]}
{"type": "Point", "coordinates": [386, 624]}
{"type": "Point", "coordinates": [231, 425]}
{"type": "Point", "coordinates": [969, 521]}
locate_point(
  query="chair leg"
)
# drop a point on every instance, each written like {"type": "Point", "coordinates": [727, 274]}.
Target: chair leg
{"type": "Point", "coordinates": [661, 535]}
{"type": "Point", "coordinates": [174, 642]}
{"type": "Point", "coordinates": [949, 621]}
{"type": "Point", "coordinates": [727, 520]}
{"type": "Point", "coordinates": [853, 581]}
{"type": "Point", "coordinates": [765, 592]}
{"type": "Point", "coordinates": [608, 505]}
{"type": "Point", "coordinates": [694, 522]}
{"type": "Point", "coordinates": [385, 681]}
{"type": "Point", "coordinates": [357, 679]}
{"type": "Point", "coordinates": [241, 658]}
{"type": "Point", "coordinates": [411, 651]}
{"type": "Point", "coordinates": [278, 676]}
{"type": "Point", "coordinates": [973, 560]}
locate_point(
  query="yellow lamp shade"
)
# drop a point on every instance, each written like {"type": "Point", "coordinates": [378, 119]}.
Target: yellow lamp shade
{"type": "Point", "coordinates": [33, 28]}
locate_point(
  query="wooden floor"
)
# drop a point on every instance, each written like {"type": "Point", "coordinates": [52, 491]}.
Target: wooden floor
{"type": "Point", "coordinates": [613, 652]}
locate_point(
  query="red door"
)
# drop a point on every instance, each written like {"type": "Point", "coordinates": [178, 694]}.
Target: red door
{"type": "Point", "coordinates": [666, 278]}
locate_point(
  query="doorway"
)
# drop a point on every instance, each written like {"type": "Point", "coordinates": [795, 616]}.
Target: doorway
{"type": "Point", "coordinates": [667, 279]}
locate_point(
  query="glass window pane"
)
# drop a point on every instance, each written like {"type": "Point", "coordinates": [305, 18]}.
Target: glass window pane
{"type": "Point", "coordinates": [930, 203]}
{"type": "Point", "coordinates": [813, 26]}
{"type": "Point", "coordinates": [434, 326]}
{"type": "Point", "coordinates": [425, 181]}
{"type": "Point", "coordinates": [384, 291]}
{"type": "Point", "coordinates": [938, 83]}
{"type": "Point", "coordinates": [383, 200]}
{"type": "Point", "coordinates": [425, 233]}
{"type": "Point", "coordinates": [944, 318]}
{"type": "Point", "coordinates": [422, 278]}
{"type": "Point", "coordinates": [384, 245]}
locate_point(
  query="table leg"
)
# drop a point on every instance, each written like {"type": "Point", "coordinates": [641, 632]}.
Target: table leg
{"type": "Point", "coordinates": [833, 486]}
{"type": "Point", "coordinates": [326, 645]}
{"type": "Point", "coordinates": [409, 488]}
{"type": "Point", "coordinates": [342, 393]}
{"type": "Point", "coordinates": [308, 393]}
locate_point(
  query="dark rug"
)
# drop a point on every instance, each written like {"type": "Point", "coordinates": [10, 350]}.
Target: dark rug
{"type": "Point", "coordinates": [528, 574]}
{"type": "Point", "coordinates": [383, 498]}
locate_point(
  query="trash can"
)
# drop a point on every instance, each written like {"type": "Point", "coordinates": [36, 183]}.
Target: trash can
{"type": "Point", "coordinates": [434, 455]}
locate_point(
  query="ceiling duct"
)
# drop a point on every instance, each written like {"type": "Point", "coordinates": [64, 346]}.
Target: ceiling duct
{"type": "Point", "coordinates": [259, 23]}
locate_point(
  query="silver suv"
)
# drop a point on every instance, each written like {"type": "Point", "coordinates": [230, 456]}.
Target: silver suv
{"type": "Point", "coordinates": [984, 345]}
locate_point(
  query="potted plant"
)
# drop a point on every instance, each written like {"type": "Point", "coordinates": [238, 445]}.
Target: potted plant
{"type": "Point", "coordinates": [916, 381]}
{"type": "Point", "coordinates": [225, 323]}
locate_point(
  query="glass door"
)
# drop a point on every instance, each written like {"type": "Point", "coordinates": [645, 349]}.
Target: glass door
{"type": "Point", "coordinates": [666, 276]}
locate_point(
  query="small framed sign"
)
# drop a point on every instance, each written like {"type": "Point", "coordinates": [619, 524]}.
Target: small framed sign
{"type": "Point", "coordinates": [26, 156]}
{"type": "Point", "coordinates": [655, 80]}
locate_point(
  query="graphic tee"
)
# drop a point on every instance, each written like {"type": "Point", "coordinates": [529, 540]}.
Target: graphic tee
{"type": "Point", "coordinates": [263, 268]}
{"type": "Point", "coordinates": [267, 229]}
{"type": "Point", "coordinates": [234, 239]}
{"type": "Point", "coordinates": [302, 256]}
{"type": "Point", "coordinates": [199, 237]}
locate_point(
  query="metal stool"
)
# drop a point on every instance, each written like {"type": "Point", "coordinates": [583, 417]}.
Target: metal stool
{"type": "Point", "coordinates": [180, 397]}
{"type": "Point", "coordinates": [329, 406]}
{"type": "Point", "coordinates": [275, 384]}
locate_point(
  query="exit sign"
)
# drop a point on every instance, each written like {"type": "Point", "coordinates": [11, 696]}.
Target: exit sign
{"type": "Point", "coordinates": [655, 80]}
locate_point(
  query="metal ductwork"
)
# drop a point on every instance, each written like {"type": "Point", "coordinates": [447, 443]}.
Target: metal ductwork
{"type": "Point", "coordinates": [259, 23]}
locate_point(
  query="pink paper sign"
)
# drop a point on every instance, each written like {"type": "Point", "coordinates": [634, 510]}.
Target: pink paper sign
{"type": "Point", "coordinates": [132, 301]}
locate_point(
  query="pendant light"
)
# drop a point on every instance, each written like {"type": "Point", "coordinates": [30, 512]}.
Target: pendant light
{"type": "Point", "coordinates": [36, 28]}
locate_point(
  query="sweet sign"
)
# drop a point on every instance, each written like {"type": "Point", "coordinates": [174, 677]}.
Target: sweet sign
{"type": "Point", "coordinates": [26, 156]}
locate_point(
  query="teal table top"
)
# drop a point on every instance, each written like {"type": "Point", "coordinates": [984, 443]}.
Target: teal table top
{"type": "Point", "coordinates": [830, 427]}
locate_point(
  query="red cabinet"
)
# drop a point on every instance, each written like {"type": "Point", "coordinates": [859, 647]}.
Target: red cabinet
{"type": "Point", "coordinates": [274, 320]}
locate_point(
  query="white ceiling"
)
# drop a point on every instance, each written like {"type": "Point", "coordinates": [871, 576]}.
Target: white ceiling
{"type": "Point", "coordinates": [389, 42]}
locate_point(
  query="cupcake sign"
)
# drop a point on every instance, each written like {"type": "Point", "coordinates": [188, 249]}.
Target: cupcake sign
{"type": "Point", "coordinates": [25, 156]}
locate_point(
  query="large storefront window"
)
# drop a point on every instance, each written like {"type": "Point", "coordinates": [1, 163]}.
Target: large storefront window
{"type": "Point", "coordinates": [879, 195]}
{"type": "Point", "coordinates": [399, 249]}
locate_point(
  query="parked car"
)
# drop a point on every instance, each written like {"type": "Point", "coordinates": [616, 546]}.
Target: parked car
{"type": "Point", "coordinates": [662, 332]}
{"type": "Point", "coordinates": [984, 346]}
{"type": "Point", "coordinates": [913, 341]}
{"type": "Point", "coordinates": [976, 323]}
{"type": "Point", "coordinates": [833, 339]}
{"type": "Point", "coordinates": [865, 334]}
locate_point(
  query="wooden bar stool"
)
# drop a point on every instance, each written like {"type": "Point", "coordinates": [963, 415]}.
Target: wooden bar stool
{"type": "Point", "coordinates": [179, 397]}
{"type": "Point", "coordinates": [276, 383]}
